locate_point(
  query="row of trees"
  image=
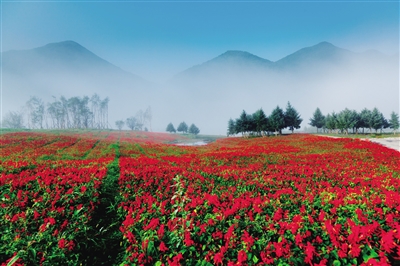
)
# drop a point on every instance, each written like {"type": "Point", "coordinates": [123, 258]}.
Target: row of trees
{"type": "Point", "coordinates": [141, 121]}
{"type": "Point", "coordinates": [347, 120]}
{"type": "Point", "coordinates": [62, 113]}
{"type": "Point", "coordinates": [259, 124]}
{"type": "Point", "coordinates": [183, 127]}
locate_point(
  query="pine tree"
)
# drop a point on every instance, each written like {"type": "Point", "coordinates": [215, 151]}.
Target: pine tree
{"type": "Point", "coordinates": [365, 117]}
{"type": "Point", "coordinates": [345, 120]}
{"type": "Point", "coordinates": [318, 119]}
{"type": "Point", "coordinates": [292, 118]}
{"type": "Point", "coordinates": [170, 128]}
{"type": "Point", "coordinates": [193, 129]}
{"type": "Point", "coordinates": [394, 122]}
{"type": "Point", "coordinates": [331, 121]}
{"type": "Point", "coordinates": [376, 121]}
{"type": "Point", "coordinates": [231, 127]}
{"type": "Point", "coordinates": [182, 127]}
{"type": "Point", "coordinates": [242, 123]}
{"type": "Point", "coordinates": [277, 120]}
{"type": "Point", "coordinates": [260, 121]}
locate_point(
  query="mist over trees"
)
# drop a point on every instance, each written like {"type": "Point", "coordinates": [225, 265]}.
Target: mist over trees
{"type": "Point", "coordinates": [258, 124]}
{"type": "Point", "coordinates": [13, 120]}
{"type": "Point", "coordinates": [140, 120]}
{"type": "Point", "coordinates": [72, 113]}
{"type": "Point", "coordinates": [347, 120]}
{"type": "Point", "coordinates": [193, 129]}
{"type": "Point", "coordinates": [170, 128]}
{"type": "Point", "coordinates": [183, 127]}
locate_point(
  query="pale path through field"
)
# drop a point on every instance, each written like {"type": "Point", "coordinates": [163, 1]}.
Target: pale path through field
{"type": "Point", "coordinates": [393, 143]}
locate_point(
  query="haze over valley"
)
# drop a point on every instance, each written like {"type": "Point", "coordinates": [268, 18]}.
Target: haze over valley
{"type": "Point", "coordinates": [211, 92]}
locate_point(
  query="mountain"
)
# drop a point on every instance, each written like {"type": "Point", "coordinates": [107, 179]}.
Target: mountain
{"type": "Point", "coordinates": [322, 53]}
{"type": "Point", "coordinates": [66, 69]}
{"type": "Point", "coordinates": [322, 75]}
{"type": "Point", "coordinates": [210, 93]}
{"type": "Point", "coordinates": [230, 61]}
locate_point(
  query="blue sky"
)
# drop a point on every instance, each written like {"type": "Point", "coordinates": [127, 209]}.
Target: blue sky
{"type": "Point", "coordinates": [159, 39]}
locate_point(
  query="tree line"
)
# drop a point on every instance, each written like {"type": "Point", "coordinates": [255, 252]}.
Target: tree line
{"type": "Point", "coordinates": [141, 121]}
{"type": "Point", "coordinates": [63, 113]}
{"type": "Point", "coordinates": [347, 120]}
{"type": "Point", "coordinates": [259, 124]}
{"type": "Point", "coordinates": [183, 127]}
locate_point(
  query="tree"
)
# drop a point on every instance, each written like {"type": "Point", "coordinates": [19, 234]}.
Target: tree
{"type": "Point", "coordinates": [331, 121]}
{"type": "Point", "coordinates": [170, 128]}
{"type": "Point", "coordinates": [376, 120]}
{"type": "Point", "coordinates": [277, 120]}
{"type": "Point", "coordinates": [131, 122]}
{"type": "Point", "coordinates": [260, 121]}
{"type": "Point", "coordinates": [120, 124]}
{"type": "Point", "coordinates": [231, 127]}
{"type": "Point", "coordinates": [182, 127]}
{"type": "Point", "coordinates": [394, 122]}
{"type": "Point", "coordinates": [385, 123]}
{"type": "Point", "coordinates": [242, 123]}
{"type": "Point", "coordinates": [345, 120]}
{"type": "Point", "coordinates": [35, 108]}
{"type": "Point", "coordinates": [365, 117]}
{"type": "Point", "coordinates": [140, 120]}
{"type": "Point", "coordinates": [318, 119]}
{"type": "Point", "coordinates": [13, 120]}
{"type": "Point", "coordinates": [292, 118]}
{"type": "Point", "coordinates": [148, 116]}
{"type": "Point", "coordinates": [193, 129]}
{"type": "Point", "coordinates": [358, 122]}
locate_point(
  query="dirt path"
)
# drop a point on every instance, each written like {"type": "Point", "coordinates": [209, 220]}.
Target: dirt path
{"type": "Point", "coordinates": [393, 143]}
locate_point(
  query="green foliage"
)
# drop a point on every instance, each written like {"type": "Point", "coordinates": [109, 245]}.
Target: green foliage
{"type": "Point", "coordinates": [260, 121]}
{"type": "Point", "coordinates": [277, 119]}
{"type": "Point", "coordinates": [394, 121]}
{"type": "Point", "coordinates": [231, 127]}
{"type": "Point", "coordinates": [292, 118]}
{"type": "Point", "coordinates": [318, 119]}
{"type": "Point", "coordinates": [376, 121]}
{"type": "Point", "coordinates": [193, 129]}
{"type": "Point", "coordinates": [346, 120]}
{"type": "Point", "coordinates": [182, 127]}
{"type": "Point", "coordinates": [331, 121]}
{"type": "Point", "coordinates": [170, 128]}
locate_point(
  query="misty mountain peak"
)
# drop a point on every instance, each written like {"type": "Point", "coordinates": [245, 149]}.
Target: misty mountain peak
{"type": "Point", "coordinates": [325, 44]}
{"type": "Point", "coordinates": [67, 50]}
{"type": "Point", "coordinates": [321, 52]}
{"type": "Point", "coordinates": [236, 55]}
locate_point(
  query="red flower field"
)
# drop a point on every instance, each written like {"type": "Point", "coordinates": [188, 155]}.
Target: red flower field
{"type": "Point", "coordinates": [127, 198]}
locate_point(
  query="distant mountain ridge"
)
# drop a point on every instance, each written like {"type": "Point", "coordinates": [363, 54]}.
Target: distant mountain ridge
{"type": "Point", "coordinates": [62, 56]}
{"type": "Point", "coordinates": [322, 76]}
{"type": "Point", "coordinates": [321, 53]}
{"type": "Point", "coordinates": [67, 69]}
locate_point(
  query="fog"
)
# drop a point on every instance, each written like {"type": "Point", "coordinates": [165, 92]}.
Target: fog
{"type": "Point", "coordinates": [212, 92]}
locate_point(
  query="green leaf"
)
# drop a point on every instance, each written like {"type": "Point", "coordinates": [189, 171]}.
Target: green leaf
{"type": "Point", "coordinates": [158, 263]}
{"type": "Point", "coordinates": [368, 253]}
{"type": "Point", "coordinates": [13, 260]}
{"type": "Point", "coordinates": [150, 248]}
{"type": "Point", "coordinates": [255, 259]}
{"type": "Point", "coordinates": [336, 263]}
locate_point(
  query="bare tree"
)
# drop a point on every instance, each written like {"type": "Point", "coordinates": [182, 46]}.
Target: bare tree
{"type": "Point", "coordinates": [13, 120]}
{"type": "Point", "coordinates": [148, 116]}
